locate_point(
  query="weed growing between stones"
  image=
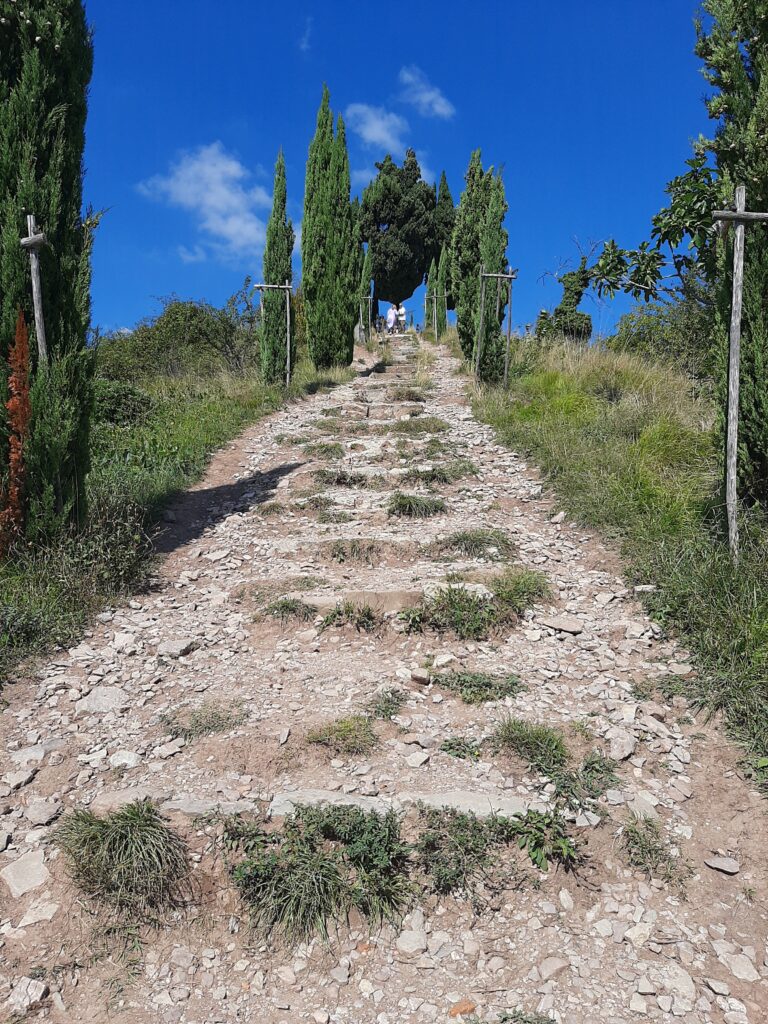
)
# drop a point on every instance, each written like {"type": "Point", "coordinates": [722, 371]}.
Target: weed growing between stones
{"type": "Point", "coordinates": [203, 721]}
{"type": "Point", "coordinates": [351, 735]}
{"type": "Point", "coordinates": [130, 860]}
{"type": "Point", "coordinates": [414, 506]}
{"type": "Point", "coordinates": [323, 863]}
{"type": "Point", "coordinates": [454, 848]}
{"type": "Point", "coordinates": [334, 515]}
{"type": "Point", "coordinates": [406, 393]}
{"type": "Point", "coordinates": [518, 589]}
{"type": "Point", "coordinates": [341, 477]}
{"type": "Point", "coordinates": [477, 543]}
{"type": "Point", "coordinates": [461, 748]}
{"type": "Point", "coordinates": [478, 687]}
{"type": "Point", "coordinates": [360, 551]}
{"type": "Point", "coordinates": [648, 849]}
{"type": "Point", "coordinates": [419, 425]}
{"type": "Point", "coordinates": [448, 473]}
{"type": "Point", "coordinates": [540, 745]}
{"type": "Point", "coordinates": [361, 616]}
{"type": "Point", "coordinates": [270, 508]}
{"type": "Point", "coordinates": [291, 608]}
{"type": "Point", "coordinates": [387, 703]}
{"type": "Point", "coordinates": [325, 449]}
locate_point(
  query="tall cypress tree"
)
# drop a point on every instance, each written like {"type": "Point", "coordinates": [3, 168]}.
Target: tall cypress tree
{"type": "Point", "coordinates": [442, 289]}
{"type": "Point", "coordinates": [329, 245]}
{"type": "Point", "coordinates": [316, 237]}
{"type": "Point", "coordinates": [445, 219]}
{"type": "Point", "coordinates": [429, 305]}
{"type": "Point", "coordinates": [277, 270]}
{"type": "Point", "coordinates": [465, 251]}
{"type": "Point", "coordinates": [344, 268]}
{"type": "Point", "coordinates": [493, 256]}
{"type": "Point", "coordinates": [364, 290]}
{"type": "Point", "coordinates": [46, 59]}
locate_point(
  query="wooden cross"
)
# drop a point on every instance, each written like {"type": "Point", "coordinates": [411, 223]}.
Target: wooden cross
{"type": "Point", "coordinates": [261, 288]}
{"type": "Point", "coordinates": [741, 217]}
{"type": "Point", "coordinates": [369, 300]}
{"type": "Point", "coordinates": [33, 243]}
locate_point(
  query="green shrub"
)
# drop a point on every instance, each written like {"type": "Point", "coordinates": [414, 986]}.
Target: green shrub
{"type": "Point", "coordinates": [129, 860]}
{"type": "Point", "coordinates": [324, 862]}
{"type": "Point", "coordinates": [351, 735]}
{"type": "Point", "coordinates": [413, 506]}
{"type": "Point", "coordinates": [478, 687]}
{"type": "Point", "coordinates": [119, 403]}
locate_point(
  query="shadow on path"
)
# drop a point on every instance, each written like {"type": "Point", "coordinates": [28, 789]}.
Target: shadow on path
{"type": "Point", "coordinates": [197, 510]}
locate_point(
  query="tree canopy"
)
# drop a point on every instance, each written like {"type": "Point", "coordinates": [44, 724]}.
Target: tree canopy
{"type": "Point", "coordinates": [397, 220]}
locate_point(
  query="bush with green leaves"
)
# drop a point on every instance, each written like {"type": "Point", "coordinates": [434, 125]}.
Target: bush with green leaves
{"type": "Point", "coordinates": [130, 860]}
{"type": "Point", "coordinates": [306, 878]}
{"type": "Point", "coordinates": [120, 403]}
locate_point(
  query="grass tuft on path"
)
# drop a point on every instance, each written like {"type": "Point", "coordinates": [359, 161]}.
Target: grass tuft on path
{"type": "Point", "coordinates": [628, 446]}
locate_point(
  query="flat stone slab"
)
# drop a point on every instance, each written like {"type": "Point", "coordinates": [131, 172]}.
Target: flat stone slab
{"type": "Point", "coordinates": [728, 865]}
{"type": "Point", "coordinates": [102, 699]}
{"type": "Point", "coordinates": [383, 602]}
{"type": "Point", "coordinates": [197, 806]}
{"type": "Point", "coordinates": [561, 623]}
{"type": "Point", "coordinates": [113, 800]}
{"type": "Point", "coordinates": [26, 873]}
{"type": "Point", "coordinates": [285, 803]}
{"type": "Point", "coordinates": [482, 805]}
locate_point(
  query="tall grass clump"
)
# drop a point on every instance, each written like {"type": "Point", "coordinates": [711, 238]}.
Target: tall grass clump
{"type": "Point", "coordinates": [628, 445]}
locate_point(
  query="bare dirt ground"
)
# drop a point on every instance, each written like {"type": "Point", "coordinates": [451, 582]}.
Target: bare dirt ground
{"type": "Point", "coordinates": [606, 943]}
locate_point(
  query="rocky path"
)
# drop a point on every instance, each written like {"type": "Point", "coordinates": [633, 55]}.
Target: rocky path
{"type": "Point", "coordinates": [607, 943]}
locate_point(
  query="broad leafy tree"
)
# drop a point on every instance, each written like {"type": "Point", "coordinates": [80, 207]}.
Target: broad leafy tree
{"type": "Point", "coordinates": [397, 220]}
{"type": "Point", "coordinates": [684, 256]}
{"type": "Point", "coordinates": [45, 66]}
{"type": "Point", "coordinates": [277, 270]}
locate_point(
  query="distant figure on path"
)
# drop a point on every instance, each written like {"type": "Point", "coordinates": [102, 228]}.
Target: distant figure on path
{"type": "Point", "coordinates": [401, 315]}
{"type": "Point", "coordinates": [391, 319]}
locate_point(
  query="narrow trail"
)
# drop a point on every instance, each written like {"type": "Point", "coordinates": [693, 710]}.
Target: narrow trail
{"type": "Point", "coordinates": [603, 944]}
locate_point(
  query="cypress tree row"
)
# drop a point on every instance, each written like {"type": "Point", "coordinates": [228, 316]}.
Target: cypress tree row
{"type": "Point", "coordinates": [442, 291]}
{"type": "Point", "coordinates": [277, 270]}
{"type": "Point", "coordinates": [329, 245]}
{"type": "Point", "coordinates": [493, 257]}
{"type": "Point", "coordinates": [365, 288]}
{"type": "Point", "coordinates": [465, 251]}
{"type": "Point", "coordinates": [46, 60]}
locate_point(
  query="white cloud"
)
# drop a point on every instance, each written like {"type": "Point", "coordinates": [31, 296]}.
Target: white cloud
{"type": "Point", "coordinates": [304, 42]}
{"type": "Point", "coordinates": [362, 176]}
{"type": "Point", "coordinates": [214, 186]}
{"type": "Point", "coordinates": [422, 94]}
{"type": "Point", "coordinates": [378, 128]}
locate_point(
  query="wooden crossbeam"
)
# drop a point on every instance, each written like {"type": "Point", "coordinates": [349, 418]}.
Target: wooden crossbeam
{"type": "Point", "coordinates": [287, 289]}
{"type": "Point", "coordinates": [33, 243]}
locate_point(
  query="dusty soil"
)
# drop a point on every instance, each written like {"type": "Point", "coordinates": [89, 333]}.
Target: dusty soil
{"type": "Point", "coordinates": [89, 729]}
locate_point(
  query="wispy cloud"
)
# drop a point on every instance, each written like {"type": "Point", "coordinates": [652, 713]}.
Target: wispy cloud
{"type": "Point", "coordinates": [377, 127]}
{"type": "Point", "coordinates": [306, 37]}
{"type": "Point", "coordinates": [216, 188]}
{"type": "Point", "coordinates": [362, 175]}
{"type": "Point", "coordinates": [423, 95]}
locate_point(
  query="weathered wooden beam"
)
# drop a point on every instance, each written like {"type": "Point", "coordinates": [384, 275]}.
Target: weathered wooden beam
{"type": "Point", "coordinates": [734, 360]}
{"type": "Point", "coordinates": [739, 215]}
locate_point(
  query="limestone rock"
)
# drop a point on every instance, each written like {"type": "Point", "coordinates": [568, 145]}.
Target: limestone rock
{"type": "Point", "coordinates": [26, 873]}
{"type": "Point", "coordinates": [26, 994]}
{"type": "Point", "coordinates": [561, 623]}
{"type": "Point", "coordinates": [102, 699]}
{"type": "Point", "coordinates": [551, 967]}
{"type": "Point", "coordinates": [42, 812]}
{"type": "Point", "coordinates": [410, 942]}
{"type": "Point", "coordinates": [727, 865]}
{"type": "Point", "coordinates": [176, 648]}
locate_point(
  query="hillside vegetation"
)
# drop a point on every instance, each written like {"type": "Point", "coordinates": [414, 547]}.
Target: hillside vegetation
{"type": "Point", "coordinates": [191, 390]}
{"type": "Point", "coordinates": [629, 446]}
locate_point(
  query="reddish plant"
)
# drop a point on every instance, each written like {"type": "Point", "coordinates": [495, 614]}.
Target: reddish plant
{"type": "Point", "coordinates": [19, 410]}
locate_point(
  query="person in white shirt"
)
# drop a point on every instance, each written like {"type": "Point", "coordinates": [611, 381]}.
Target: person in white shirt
{"type": "Point", "coordinates": [391, 319]}
{"type": "Point", "coordinates": [401, 314]}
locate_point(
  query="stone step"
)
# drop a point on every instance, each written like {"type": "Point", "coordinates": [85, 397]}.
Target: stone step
{"type": "Point", "coordinates": [383, 602]}
{"type": "Point", "coordinates": [482, 804]}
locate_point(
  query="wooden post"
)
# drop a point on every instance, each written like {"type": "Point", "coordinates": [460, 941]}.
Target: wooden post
{"type": "Point", "coordinates": [509, 338]}
{"type": "Point", "coordinates": [479, 343]}
{"type": "Point", "coordinates": [32, 243]}
{"type": "Point", "coordinates": [434, 313]}
{"type": "Point", "coordinates": [288, 333]}
{"type": "Point", "coordinates": [734, 361]}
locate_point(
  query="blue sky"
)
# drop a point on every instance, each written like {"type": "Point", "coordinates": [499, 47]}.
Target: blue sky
{"type": "Point", "coordinates": [588, 107]}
